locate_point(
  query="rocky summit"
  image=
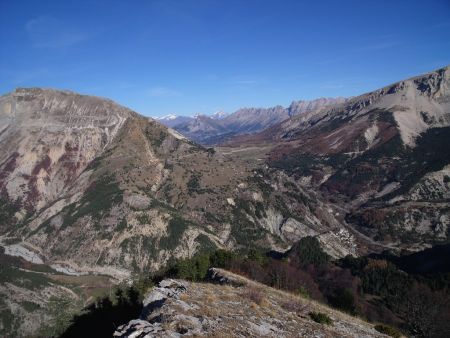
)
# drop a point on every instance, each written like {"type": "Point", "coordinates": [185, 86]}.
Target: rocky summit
{"type": "Point", "coordinates": [236, 307]}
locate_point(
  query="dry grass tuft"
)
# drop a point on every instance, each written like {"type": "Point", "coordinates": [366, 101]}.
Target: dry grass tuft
{"type": "Point", "coordinates": [211, 299]}
{"type": "Point", "coordinates": [184, 297]}
{"type": "Point", "coordinates": [295, 306]}
{"type": "Point", "coordinates": [255, 295]}
{"type": "Point", "coordinates": [206, 309]}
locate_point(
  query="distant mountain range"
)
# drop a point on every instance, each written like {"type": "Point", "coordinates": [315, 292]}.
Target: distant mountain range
{"type": "Point", "coordinates": [89, 186]}
{"type": "Point", "coordinates": [219, 127]}
{"type": "Point", "coordinates": [172, 120]}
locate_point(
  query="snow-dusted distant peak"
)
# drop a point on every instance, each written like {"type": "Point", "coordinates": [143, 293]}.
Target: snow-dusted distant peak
{"type": "Point", "coordinates": [168, 117]}
{"type": "Point", "coordinates": [172, 120]}
{"type": "Point", "coordinates": [219, 115]}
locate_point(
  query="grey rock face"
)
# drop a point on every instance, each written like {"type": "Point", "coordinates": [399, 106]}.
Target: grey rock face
{"type": "Point", "coordinates": [305, 106]}
{"type": "Point", "coordinates": [167, 288]}
{"type": "Point", "coordinates": [217, 276]}
{"type": "Point", "coordinates": [156, 312]}
{"type": "Point", "coordinates": [49, 137]}
{"type": "Point", "coordinates": [137, 328]}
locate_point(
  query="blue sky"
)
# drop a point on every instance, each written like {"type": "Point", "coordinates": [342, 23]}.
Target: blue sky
{"type": "Point", "coordinates": [201, 56]}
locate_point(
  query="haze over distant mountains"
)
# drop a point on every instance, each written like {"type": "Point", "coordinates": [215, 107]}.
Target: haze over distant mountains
{"type": "Point", "coordinates": [218, 127]}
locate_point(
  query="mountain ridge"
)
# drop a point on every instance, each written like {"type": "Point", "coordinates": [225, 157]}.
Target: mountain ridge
{"type": "Point", "coordinates": [367, 151]}
{"type": "Point", "coordinates": [210, 129]}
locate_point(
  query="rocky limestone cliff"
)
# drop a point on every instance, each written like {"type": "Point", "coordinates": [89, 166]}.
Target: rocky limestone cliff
{"type": "Point", "coordinates": [417, 104]}
{"type": "Point", "coordinates": [48, 138]}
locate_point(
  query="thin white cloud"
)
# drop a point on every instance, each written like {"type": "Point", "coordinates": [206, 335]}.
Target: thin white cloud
{"type": "Point", "coordinates": [246, 82]}
{"type": "Point", "coordinates": [49, 32]}
{"type": "Point", "coordinates": [163, 92]}
{"type": "Point", "coordinates": [380, 45]}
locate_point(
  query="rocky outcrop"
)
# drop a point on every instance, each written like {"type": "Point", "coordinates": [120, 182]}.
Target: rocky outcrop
{"type": "Point", "coordinates": [215, 275]}
{"type": "Point", "coordinates": [180, 308]}
{"type": "Point", "coordinates": [167, 288]}
{"type": "Point", "coordinates": [157, 312]}
{"type": "Point", "coordinates": [138, 328]}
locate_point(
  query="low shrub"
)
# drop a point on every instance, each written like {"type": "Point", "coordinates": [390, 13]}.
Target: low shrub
{"type": "Point", "coordinates": [389, 330]}
{"type": "Point", "coordinates": [255, 295]}
{"type": "Point", "coordinates": [303, 292]}
{"type": "Point", "coordinates": [321, 318]}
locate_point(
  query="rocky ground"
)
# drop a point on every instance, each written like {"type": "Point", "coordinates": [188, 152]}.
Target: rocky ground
{"type": "Point", "coordinates": [233, 306]}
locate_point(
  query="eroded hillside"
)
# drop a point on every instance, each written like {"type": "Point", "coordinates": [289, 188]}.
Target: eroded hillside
{"type": "Point", "coordinates": [94, 187]}
{"type": "Point", "coordinates": [381, 157]}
